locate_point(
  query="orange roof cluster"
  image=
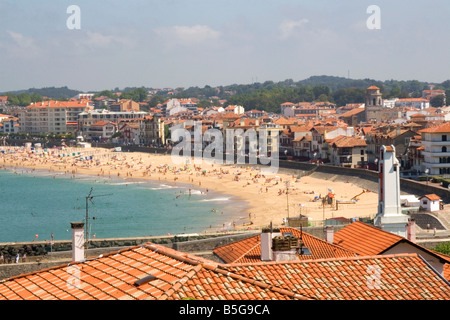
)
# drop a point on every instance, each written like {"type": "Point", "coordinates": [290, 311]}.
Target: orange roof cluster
{"type": "Point", "coordinates": [249, 250]}
{"type": "Point", "coordinates": [155, 272]}
{"type": "Point", "coordinates": [442, 128]}
{"type": "Point", "coordinates": [350, 278]}
{"type": "Point", "coordinates": [60, 104]}
{"type": "Point", "coordinates": [348, 142]}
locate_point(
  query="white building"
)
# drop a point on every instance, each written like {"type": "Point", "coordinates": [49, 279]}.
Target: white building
{"type": "Point", "coordinates": [86, 96]}
{"type": "Point", "coordinates": [436, 153]}
{"type": "Point", "coordinates": [430, 202]}
{"type": "Point", "coordinates": [419, 103]}
{"type": "Point", "coordinates": [52, 117]}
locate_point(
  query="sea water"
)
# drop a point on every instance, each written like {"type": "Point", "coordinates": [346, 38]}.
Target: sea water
{"type": "Point", "coordinates": [36, 204]}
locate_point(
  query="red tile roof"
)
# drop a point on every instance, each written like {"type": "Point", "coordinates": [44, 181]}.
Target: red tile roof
{"type": "Point", "coordinates": [365, 239]}
{"type": "Point", "coordinates": [60, 104]}
{"type": "Point", "coordinates": [152, 272]}
{"type": "Point", "coordinates": [396, 277]}
{"type": "Point", "coordinates": [431, 197]}
{"type": "Point", "coordinates": [116, 276]}
{"type": "Point", "coordinates": [442, 128]}
{"type": "Point", "coordinates": [349, 142]}
{"type": "Point", "coordinates": [249, 250]}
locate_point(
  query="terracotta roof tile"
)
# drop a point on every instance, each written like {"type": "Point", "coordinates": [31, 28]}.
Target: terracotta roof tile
{"type": "Point", "coordinates": [179, 275]}
{"type": "Point", "coordinates": [442, 128]}
{"type": "Point", "coordinates": [431, 197]}
{"type": "Point", "coordinates": [364, 239]}
{"type": "Point", "coordinates": [348, 278]}
{"type": "Point", "coordinates": [249, 250]}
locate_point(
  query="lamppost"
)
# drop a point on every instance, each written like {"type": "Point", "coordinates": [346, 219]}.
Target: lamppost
{"type": "Point", "coordinates": [426, 172]}
{"type": "Point", "coordinates": [287, 197]}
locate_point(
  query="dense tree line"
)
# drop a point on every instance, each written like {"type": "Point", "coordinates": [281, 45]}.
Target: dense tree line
{"type": "Point", "coordinates": [267, 95]}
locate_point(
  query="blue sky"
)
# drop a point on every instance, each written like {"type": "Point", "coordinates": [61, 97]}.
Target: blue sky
{"type": "Point", "coordinates": [171, 43]}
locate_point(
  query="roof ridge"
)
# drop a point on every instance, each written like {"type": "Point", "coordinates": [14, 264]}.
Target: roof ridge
{"type": "Point", "coordinates": [255, 246]}
{"type": "Point", "coordinates": [366, 257]}
{"type": "Point", "coordinates": [377, 229]}
{"type": "Point", "coordinates": [177, 255]}
{"type": "Point", "coordinates": [179, 283]}
{"type": "Point", "coordinates": [258, 283]}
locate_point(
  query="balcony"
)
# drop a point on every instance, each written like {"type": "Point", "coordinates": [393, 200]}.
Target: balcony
{"type": "Point", "coordinates": [435, 154]}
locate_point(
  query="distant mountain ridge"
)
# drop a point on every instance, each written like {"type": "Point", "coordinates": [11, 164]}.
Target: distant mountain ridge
{"type": "Point", "coordinates": [334, 83]}
{"type": "Point", "coordinates": [49, 92]}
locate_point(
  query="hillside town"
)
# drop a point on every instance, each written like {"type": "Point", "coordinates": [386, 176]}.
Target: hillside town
{"type": "Point", "coordinates": [386, 258]}
{"type": "Point", "coordinates": [321, 132]}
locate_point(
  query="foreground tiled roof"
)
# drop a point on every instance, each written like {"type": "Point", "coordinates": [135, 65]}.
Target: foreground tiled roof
{"type": "Point", "coordinates": [390, 277]}
{"type": "Point", "coordinates": [249, 250]}
{"type": "Point", "coordinates": [154, 272]}
{"type": "Point", "coordinates": [365, 239]}
{"type": "Point", "coordinates": [114, 276]}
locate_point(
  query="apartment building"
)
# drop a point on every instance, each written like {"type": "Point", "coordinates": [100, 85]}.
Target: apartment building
{"type": "Point", "coordinates": [52, 117]}
{"type": "Point", "coordinates": [436, 153]}
{"type": "Point", "coordinates": [151, 130]}
{"type": "Point", "coordinates": [9, 124]}
{"type": "Point", "coordinates": [348, 152]}
{"type": "Point", "coordinates": [88, 118]}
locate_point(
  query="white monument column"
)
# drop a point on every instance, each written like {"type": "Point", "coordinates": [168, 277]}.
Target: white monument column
{"type": "Point", "coordinates": [389, 216]}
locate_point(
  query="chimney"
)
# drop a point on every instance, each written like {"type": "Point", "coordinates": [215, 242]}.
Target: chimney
{"type": "Point", "coordinates": [285, 248]}
{"type": "Point", "coordinates": [329, 234]}
{"type": "Point", "coordinates": [77, 241]}
{"type": "Point", "coordinates": [411, 230]}
{"type": "Point", "coordinates": [266, 243]}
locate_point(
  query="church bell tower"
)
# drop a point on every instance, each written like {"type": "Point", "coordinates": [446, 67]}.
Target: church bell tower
{"type": "Point", "coordinates": [373, 104]}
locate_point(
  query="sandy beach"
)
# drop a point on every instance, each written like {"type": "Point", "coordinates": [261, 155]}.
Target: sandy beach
{"type": "Point", "coordinates": [269, 199]}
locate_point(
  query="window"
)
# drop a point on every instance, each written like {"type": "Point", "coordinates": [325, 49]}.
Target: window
{"type": "Point", "coordinates": [444, 149]}
{"type": "Point", "coordinates": [444, 137]}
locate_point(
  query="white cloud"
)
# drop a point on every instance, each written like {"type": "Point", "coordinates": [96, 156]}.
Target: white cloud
{"type": "Point", "coordinates": [98, 39]}
{"type": "Point", "coordinates": [187, 35]}
{"type": "Point", "coordinates": [21, 40]}
{"type": "Point", "coordinates": [287, 27]}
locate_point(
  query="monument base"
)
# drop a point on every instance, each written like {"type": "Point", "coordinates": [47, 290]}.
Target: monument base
{"type": "Point", "coordinates": [396, 224]}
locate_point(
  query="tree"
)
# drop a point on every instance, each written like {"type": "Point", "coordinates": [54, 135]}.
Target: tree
{"type": "Point", "coordinates": [12, 98]}
{"type": "Point", "coordinates": [36, 97]}
{"type": "Point", "coordinates": [24, 99]}
{"type": "Point", "coordinates": [105, 93]}
{"type": "Point", "coordinates": [155, 100]}
{"type": "Point", "coordinates": [437, 101]}
{"type": "Point", "coordinates": [349, 95]}
{"type": "Point", "coordinates": [137, 95]}
{"type": "Point", "coordinates": [443, 247]}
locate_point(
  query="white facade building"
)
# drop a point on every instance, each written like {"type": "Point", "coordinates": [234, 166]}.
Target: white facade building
{"type": "Point", "coordinates": [436, 153]}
